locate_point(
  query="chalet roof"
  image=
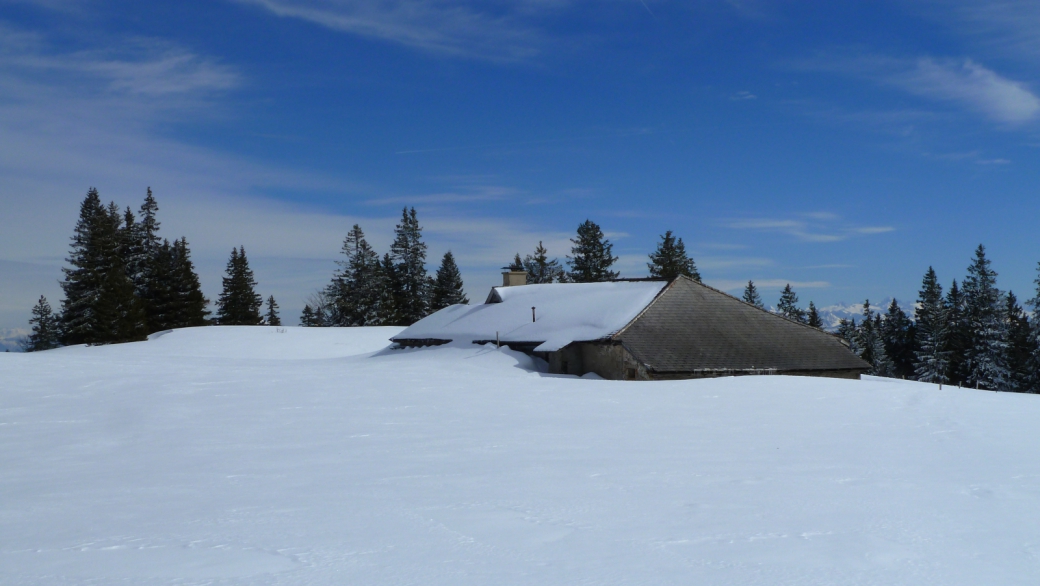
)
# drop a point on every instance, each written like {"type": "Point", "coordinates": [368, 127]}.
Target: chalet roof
{"type": "Point", "coordinates": [691, 327]}
{"type": "Point", "coordinates": [564, 313]}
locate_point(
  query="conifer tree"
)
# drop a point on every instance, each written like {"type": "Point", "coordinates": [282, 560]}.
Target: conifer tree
{"type": "Point", "coordinates": [160, 300]}
{"type": "Point", "coordinates": [1032, 380]}
{"type": "Point", "coordinates": [751, 296]}
{"type": "Point", "coordinates": [190, 308]}
{"type": "Point", "coordinates": [813, 317]}
{"type": "Point", "coordinates": [870, 343]}
{"type": "Point", "coordinates": [45, 328]}
{"type": "Point", "coordinates": [271, 317]}
{"type": "Point", "coordinates": [541, 270]}
{"type": "Point", "coordinates": [239, 304]}
{"type": "Point", "coordinates": [119, 312]}
{"type": "Point", "coordinates": [516, 265]}
{"type": "Point", "coordinates": [390, 294]}
{"type": "Point", "coordinates": [592, 258]}
{"type": "Point", "coordinates": [931, 356]}
{"type": "Point", "coordinates": [897, 334]}
{"type": "Point", "coordinates": [413, 284]}
{"type": "Point", "coordinates": [354, 290]}
{"type": "Point", "coordinates": [958, 334]}
{"type": "Point", "coordinates": [987, 349]}
{"type": "Point", "coordinates": [96, 308]}
{"type": "Point", "coordinates": [788, 305]}
{"type": "Point", "coordinates": [670, 260]}
{"type": "Point", "coordinates": [1018, 329]}
{"type": "Point", "coordinates": [142, 247]}
{"type": "Point", "coordinates": [847, 331]}
{"type": "Point", "coordinates": [447, 287]}
{"type": "Point", "coordinates": [307, 317]}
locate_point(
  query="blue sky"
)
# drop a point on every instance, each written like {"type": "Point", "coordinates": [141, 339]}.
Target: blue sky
{"type": "Point", "coordinates": [841, 147]}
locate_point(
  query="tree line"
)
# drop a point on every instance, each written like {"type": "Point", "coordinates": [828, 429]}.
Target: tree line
{"type": "Point", "coordinates": [125, 282]}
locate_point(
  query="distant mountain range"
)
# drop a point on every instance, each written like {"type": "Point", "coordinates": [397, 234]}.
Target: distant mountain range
{"type": "Point", "coordinates": [833, 314]}
{"type": "Point", "coordinates": [10, 339]}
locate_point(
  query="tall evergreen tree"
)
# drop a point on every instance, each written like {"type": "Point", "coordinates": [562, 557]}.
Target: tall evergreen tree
{"type": "Point", "coordinates": [931, 356]}
{"type": "Point", "coordinates": [541, 270]}
{"type": "Point", "coordinates": [1019, 351]}
{"type": "Point", "coordinates": [788, 305]}
{"type": "Point", "coordinates": [96, 308]}
{"type": "Point", "coordinates": [390, 298]}
{"type": "Point", "coordinates": [847, 331]}
{"type": "Point", "coordinates": [45, 328]}
{"type": "Point", "coordinates": [813, 317]}
{"type": "Point", "coordinates": [239, 304]}
{"type": "Point", "coordinates": [670, 260]}
{"type": "Point", "coordinates": [355, 289]}
{"type": "Point", "coordinates": [1032, 382]}
{"type": "Point", "coordinates": [447, 286]}
{"type": "Point", "coordinates": [958, 334]}
{"type": "Point", "coordinates": [987, 349]}
{"type": "Point", "coordinates": [871, 345]}
{"type": "Point", "coordinates": [271, 317]}
{"type": "Point", "coordinates": [307, 319]}
{"type": "Point", "coordinates": [408, 252]}
{"type": "Point", "coordinates": [897, 334]}
{"type": "Point", "coordinates": [592, 258]}
{"type": "Point", "coordinates": [751, 296]}
{"type": "Point", "coordinates": [190, 308]}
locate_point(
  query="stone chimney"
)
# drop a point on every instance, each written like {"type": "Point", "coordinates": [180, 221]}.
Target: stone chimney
{"type": "Point", "coordinates": [514, 278]}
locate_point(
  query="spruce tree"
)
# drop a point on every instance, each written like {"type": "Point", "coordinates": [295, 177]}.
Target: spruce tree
{"type": "Point", "coordinates": [408, 252]}
{"type": "Point", "coordinates": [239, 304]}
{"type": "Point", "coordinates": [932, 332]}
{"type": "Point", "coordinates": [307, 317]}
{"type": "Point", "coordinates": [45, 328]}
{"type": "Point", "coordinates": [958, 334]}
{"type": "Point", "coordinates": [897, 333]}
{"type": "Point", "coordinates": [1018, 329]}
{"type": "Point", "coordinates": [813, 317]}
{"type": "Point", "coordinates": [447, 287]}
{"type": "Point", "coordinates": [847, 331]}
{"type": "Point", "coordinates": [389, 301]}
{"type": "Point", "coordinates": [788, 305]}
{"type": "Point", "coordinates": [96, 308]}
{"type": "Point", "coordinates": [592, 258]}
{"type": "Point", "coordinates": [354, 289]}
{"type": "Point", "coordinates": [987, 349]}
{"type": "Point", "coordinates": [670, 260]}
{"type": "Point", "coordinates": [870, 344]}
{"type": "Point", "coordinates": [271, 317]}
{"type": "Point", "coordinates": [541, 270]}
{"type": "Point", "coordinates": [1032, 380]}
{"type": "Point", "coordinates": [751, 296]}
{"type": "Point", "coordinates": [190, 308]}
{"type": "Point", "coordinates": [160, 301]}
{"type": "Point", "coordinates": [516, 265]}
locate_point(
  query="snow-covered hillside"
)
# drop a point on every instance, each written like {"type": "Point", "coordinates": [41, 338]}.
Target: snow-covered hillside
{"type": "Point", "coordinates": [260, 455]}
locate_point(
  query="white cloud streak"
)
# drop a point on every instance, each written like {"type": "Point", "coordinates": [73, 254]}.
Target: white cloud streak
{"type": "Point", "coordinates": [971, 85]}
{"type": "Point", "coordinates": [811, 227]}
{"type": "Point", "coordinates": [499, 31]}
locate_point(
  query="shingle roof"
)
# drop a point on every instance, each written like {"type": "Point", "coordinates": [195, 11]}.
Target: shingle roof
{"type": "Point", "coordinates": [691, 327]}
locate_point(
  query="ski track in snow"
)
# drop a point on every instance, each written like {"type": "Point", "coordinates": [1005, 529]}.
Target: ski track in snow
{"type": "Point", "coordinates": [255, 455]}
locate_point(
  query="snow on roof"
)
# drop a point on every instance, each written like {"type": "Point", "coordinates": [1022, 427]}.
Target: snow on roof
{"type": "Point", "coordinates": [564, 313]}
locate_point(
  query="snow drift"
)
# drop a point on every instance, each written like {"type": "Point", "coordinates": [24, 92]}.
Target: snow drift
{"type": "Point", "coordinates": [262, 455]}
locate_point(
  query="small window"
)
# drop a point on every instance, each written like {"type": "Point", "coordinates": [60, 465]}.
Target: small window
{"type": "Point", "coordinates": [630, 374]}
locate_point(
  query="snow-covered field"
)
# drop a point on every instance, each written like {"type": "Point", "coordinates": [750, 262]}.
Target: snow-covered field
{"type": "Point", "coordinates": [296, 456]}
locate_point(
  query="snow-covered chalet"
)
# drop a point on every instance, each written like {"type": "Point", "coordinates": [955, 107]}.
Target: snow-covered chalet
{"type": "Point", "coordinates": [638, 330]}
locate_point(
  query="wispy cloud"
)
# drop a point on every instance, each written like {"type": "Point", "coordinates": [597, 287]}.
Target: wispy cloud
{"type": "Point", "coordinates": [963, 82]}
{"type": "Point", "coordinates": [971, 85]}
{"type": "Point", "coordinates": [743, 95]}
{"type": "Point", "coordinates": [808, 227]}
{"type": "Point", "coordinates": [503, 31]}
